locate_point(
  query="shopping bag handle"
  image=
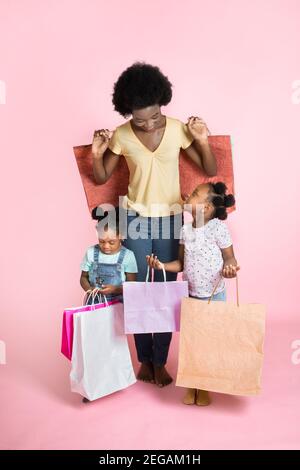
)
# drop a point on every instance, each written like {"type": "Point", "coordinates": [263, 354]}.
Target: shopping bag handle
{"type": "Point", "coordinates": [93, 293]}
{"type": "Point", "coordinates": [152, 271]}
{"type": "Point", "coordinates": [237, 290]}
{"type": "Point", "coordinates": [87, 297]}
{"type": "Point", "coordinates": [100, 298]}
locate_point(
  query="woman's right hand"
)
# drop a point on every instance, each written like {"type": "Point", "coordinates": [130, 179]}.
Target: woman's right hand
{"type": "Point", "coordinates": [154, 262]}
{"type": "Point", "coordinates": [101, 141]}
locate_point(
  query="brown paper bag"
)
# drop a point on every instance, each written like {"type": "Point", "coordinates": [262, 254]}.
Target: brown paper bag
{"type": "Point", "coordinates": [221, 346]}
{"type": "Point", "coordinates": [117, 185]}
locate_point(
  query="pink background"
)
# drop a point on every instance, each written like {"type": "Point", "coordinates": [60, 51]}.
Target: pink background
{"type": "Point", "coordinates": [231, 62]}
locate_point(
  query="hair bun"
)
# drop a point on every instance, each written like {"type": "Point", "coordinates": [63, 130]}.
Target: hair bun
{"type": "Point", "coordinates": [98, 217]}
{"type": "Point", "coordinates": [217, 201]}
{"type": "Point", "coordinates": [219, 187]}
{"type": "Point", "coordinates": [221, 213]}
{"type": "Point", "coordinates": [229, 200]}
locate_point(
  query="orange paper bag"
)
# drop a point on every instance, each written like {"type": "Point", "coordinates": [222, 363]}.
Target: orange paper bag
{"type": "Point", "coordinates": [221, 346]}
{"type": "Point", "coordinates": [117, 185]}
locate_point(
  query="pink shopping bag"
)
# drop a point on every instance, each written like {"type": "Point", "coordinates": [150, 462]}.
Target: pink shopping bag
{"type": "Point", "coordinates": [153, 307]}
{"type": "Point", "coordinates": [68, 325]}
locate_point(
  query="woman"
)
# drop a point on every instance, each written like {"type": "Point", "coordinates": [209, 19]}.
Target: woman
{"type": "Point", "coordinates": [151, 142]}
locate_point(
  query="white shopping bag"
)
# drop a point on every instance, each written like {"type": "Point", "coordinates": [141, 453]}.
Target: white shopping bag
{"type": "Point", "coordinates": [101, 362]}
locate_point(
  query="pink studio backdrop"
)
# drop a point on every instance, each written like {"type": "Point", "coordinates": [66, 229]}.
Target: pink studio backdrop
{"type": "Point", "coordinates": [233, 63]}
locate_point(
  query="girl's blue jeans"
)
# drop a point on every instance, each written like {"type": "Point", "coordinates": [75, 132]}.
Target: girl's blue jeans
{"type": "Point", "coordinates": [221, 296]}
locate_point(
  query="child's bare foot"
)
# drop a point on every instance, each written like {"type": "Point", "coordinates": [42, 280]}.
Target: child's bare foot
{"type": "Point", "coordinates": [202, 398]}
{"type": "Point", "coordinates": [162, 378]}
{"type": "Point", "coordinates": [190, 396]}
{"type": "Point", "coordinates": [146, 372]}
{"type": "Point", "coordinates": [85, 400]}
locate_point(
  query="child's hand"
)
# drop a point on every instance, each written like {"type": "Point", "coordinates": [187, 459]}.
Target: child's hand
{"type": "Point", "coordinates": [198, 128]}
{"type": "Point", "coordinates": [154, 262]}
{"type": "Point", "coordinates": [230, 270]}
{"type": "Point", "coordinates": [101, 141]}
{"type": "Point", "coordinates": [109, 289]}
{"type": "Point", "coordinates": [92, 289]}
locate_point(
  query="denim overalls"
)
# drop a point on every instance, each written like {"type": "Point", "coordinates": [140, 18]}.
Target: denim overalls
{"type": "Point", "coordinates": [106, 273]}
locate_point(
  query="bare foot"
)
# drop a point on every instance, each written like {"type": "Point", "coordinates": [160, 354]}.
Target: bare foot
{"type": "Point", "coordinates": [85, 400]}
{"type": "Point", "coordinates": [202, 398]}
{"type": "Point", "coordinates": [190, 396]}
{"type": "Point", "coordinates": [146, 372]}
{"type": "Point", "coordinates": [162, 378]}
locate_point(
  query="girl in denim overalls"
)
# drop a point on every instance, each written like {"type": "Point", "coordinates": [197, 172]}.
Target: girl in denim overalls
{"type": "Point", "coordinates": [107, 265]}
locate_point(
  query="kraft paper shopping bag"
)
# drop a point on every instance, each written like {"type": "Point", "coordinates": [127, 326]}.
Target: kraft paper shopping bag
{"type": "Point", "coordinates": [221, 346]}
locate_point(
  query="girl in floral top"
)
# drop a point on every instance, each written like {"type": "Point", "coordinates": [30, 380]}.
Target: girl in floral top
{"type": "Point", "coordinates": [205, 253]}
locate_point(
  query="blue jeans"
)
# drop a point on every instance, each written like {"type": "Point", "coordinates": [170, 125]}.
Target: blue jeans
{"type": "Point", "coordinates": [154, 348]}
{"type": "Point", "coordinates": [221, 296]}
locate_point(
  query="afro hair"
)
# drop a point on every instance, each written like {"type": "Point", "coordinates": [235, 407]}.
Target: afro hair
{"type": "Point", "coordinates": [139, 86]}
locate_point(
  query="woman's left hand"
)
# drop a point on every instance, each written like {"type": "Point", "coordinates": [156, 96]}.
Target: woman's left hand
{"type": "Point", "coordinates": [198, 128]}
{"type": "Point", "coordinates": [185, 197]}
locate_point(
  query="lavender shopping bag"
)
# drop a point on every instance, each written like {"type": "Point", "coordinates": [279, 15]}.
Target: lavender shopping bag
{"type": "Point", "coordinates": [153, 307]}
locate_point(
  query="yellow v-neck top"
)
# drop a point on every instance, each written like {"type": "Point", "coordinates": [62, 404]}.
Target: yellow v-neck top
{"type": "Point", "coordinates": [154, 188]}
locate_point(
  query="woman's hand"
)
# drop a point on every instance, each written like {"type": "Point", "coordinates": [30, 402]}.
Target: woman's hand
{"type": "Point", "coordinates": [154, 262]}
{"type": "Point", "coordinates": [229, 270]}
{"type": "Point", "coordinates": [198, 128]}
{"type": "Point", "coordinates": [185, 197]}
{"type": "Point", "coordinates": [101, 141]}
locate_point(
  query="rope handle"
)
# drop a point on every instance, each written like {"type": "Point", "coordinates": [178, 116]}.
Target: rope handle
{"type": "Point", "coordinates": [237, 290]}
{"type": "Point", "coordinates": [152, 274]}
{"type": "Point", "coordinates": [92, 293]}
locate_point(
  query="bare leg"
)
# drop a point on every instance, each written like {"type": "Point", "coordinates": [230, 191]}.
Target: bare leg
{"type": "Point", "coordinates": [203, 398]}
{"type": "Point", "coordinates": [190, 396]}
{"type": "Point", "coordinates": [146, 372]}
{"type": "Point", "coordinates": [162, 377]}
